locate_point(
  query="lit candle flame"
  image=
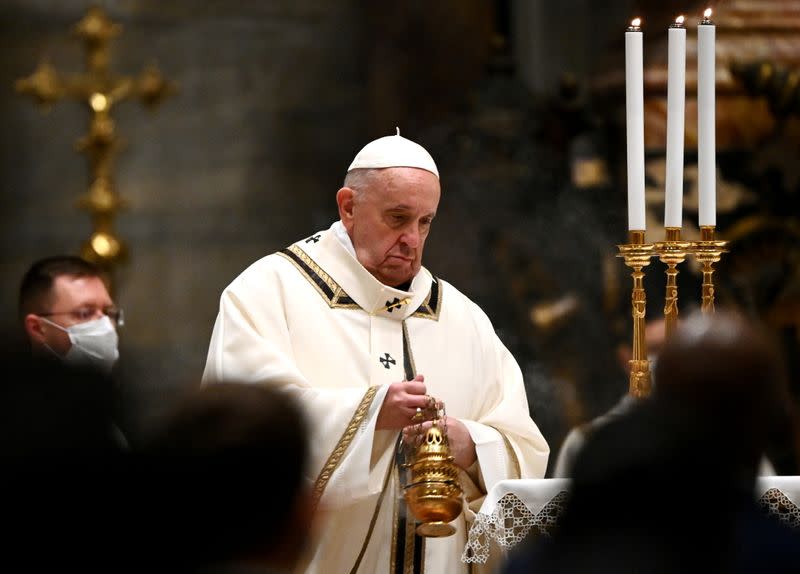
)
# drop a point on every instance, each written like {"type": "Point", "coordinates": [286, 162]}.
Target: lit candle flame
{"type": "Point", "coordinates": [636, 22]}
{"type": "Point", "coordinates": [679, 20]}
{"type": "Point", "coordinates": [707, 13]}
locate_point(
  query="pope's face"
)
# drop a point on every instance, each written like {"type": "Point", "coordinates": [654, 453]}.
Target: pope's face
{"type": "Point", "coordinates": [389, 221]}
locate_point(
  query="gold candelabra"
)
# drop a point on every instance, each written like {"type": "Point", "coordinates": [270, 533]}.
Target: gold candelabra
{"type": "Point", "coordinates": [672, 252]}
{"type": "Point", "coordinates": [100, 90]}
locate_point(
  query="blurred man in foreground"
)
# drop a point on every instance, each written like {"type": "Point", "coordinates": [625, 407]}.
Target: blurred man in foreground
{"type": "Point", "coordinates": [669, 485]}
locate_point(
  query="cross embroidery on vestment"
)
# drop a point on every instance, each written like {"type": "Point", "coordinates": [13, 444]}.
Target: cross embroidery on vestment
{"type": "Point", "coordinates": [387, 360]}
{"type": "Point", "coordinates": [392, 305]}
{"type": "Point", "coordinates": [313, 238]}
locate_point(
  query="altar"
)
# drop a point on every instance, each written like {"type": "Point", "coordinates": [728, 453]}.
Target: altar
{"type": "Point", "coordinates": [515, 509]}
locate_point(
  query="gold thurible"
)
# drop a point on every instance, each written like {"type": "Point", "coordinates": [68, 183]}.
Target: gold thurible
{"type": "Point", "coordinates": [434, 493]}
{"type": "Point", "coordinates": [708, 251]}
{"type": "Point", "coordinates": [672, 252]}
{"type": "Point", "coordinates": [637, 254]}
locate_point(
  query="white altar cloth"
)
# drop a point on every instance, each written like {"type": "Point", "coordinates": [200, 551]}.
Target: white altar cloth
{"type": "Point", "coordinates": [514, 507]}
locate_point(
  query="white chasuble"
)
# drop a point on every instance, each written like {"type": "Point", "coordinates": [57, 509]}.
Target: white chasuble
{"type": "Point", "coordinates": [314, 321]}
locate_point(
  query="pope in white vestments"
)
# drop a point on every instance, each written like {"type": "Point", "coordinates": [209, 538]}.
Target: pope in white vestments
{"type": "Point", "coordinates": [349, 320]}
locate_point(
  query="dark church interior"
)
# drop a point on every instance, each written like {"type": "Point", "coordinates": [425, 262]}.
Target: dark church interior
{"type": "Point", "coordinates": [237, 145]}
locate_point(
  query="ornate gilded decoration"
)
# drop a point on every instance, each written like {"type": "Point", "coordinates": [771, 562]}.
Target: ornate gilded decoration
{"type": "Point", "coordinates": [637, 255]}
{"type": "Point", "coordinates": [100, 89]}
{"type": "Point", "coordinates": [434, 493]}
{"type": "Point", "coordinates": [378, 503]}
{"type": "Point", "coordinates": [337, 298]}
{"type": "Point", "coordinates": [671, 252]}
{"type": "Point", "coordinates": [322, 282]}
{"type": "Point", "coordinates": [344, 442]}
{"type": "Point", "coordinates": [409, 366]}
{"type": "Point", "coordinates": [708, 251]}
{"type": "Point", "coordinates": [432, 304]}
{"type": "Point", "coordinates": [410, 547]}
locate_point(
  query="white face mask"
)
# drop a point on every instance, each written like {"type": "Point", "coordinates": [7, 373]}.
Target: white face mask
{"type": "Point", "coordinates": [93, 342]}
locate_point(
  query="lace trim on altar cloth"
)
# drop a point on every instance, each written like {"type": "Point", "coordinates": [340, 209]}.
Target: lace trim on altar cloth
{"type": "Point", "coordinates": [509, 523]}
{"type": "Point", "coordinates": [777, 504]}
{"type": "Point", "coordinates": [512, 521]}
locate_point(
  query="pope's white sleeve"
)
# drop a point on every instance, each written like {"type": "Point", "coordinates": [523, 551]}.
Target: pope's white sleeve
{"type": "Point", "coordinates": [508, 444]}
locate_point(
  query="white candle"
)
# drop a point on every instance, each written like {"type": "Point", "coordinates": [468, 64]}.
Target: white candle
{"type": "Point", "coordinates": [634, 121]}
{"type": "Point", "coordinates": [706, 144]}
{"type": "Point", "coordinates": [676, 99]}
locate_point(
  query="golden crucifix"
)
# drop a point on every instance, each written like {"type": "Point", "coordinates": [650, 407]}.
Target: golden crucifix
{"type": "Point", "coordinates": [100, 89]}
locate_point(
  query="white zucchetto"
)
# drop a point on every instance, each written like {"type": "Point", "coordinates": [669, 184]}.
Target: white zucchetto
{"type": "Point", "coordinates": [393, 151]}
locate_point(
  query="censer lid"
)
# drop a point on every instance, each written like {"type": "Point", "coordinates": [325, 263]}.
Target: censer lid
{"type": "Point", "coordinates": [435, 442]}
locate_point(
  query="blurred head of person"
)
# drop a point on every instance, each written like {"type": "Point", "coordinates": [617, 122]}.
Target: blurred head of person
{"type": "Point", "coordinates": [67, 312]}
{"type": "Point", "coordinates": [228, 461]}
{"type": "Point", "coordinates": [726, 376]}
{"type": "Point", "coordinates": [664, 487]}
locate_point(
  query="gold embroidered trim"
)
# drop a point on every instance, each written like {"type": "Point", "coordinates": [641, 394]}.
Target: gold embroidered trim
{"type": "Point", "coordinates": [340, 299]}
{"type": "Point", "coordinates": [339, 294]}
{"type": "Point", "coordinates": [408, 349]}
{"type": "Point", "coordinates": [344, 442]}
{"type": "Point", "coordinates": [408, 559]}
{"type": "Point", "coordinates": [375, 513]}
{"type": "Point", "coordinates": [395, 510]}
{"type": "Point", "coordinates": [424, 311]}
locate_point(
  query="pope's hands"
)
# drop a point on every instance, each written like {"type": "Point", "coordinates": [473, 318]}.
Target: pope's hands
{"type": "Point", "coordinates": [401, 403]}
{"type": "Point", "coordinates": [406, 399]}
{"type": "Point", "coordinates": [462, 447]}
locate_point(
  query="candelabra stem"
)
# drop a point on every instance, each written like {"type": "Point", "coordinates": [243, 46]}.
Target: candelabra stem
{"type": "Point", "coordinates": [671, 301]}
{"type": "Point", "coordinates": [637, 255]}
{"type": "Point", "coordinates": [708, 251]}
{"type": "Point", "coordinates": [672, 253]}
{"type": "Point", "coordinates": [707, 305]}
{"type": "Point", "coordinates": [640, 366]}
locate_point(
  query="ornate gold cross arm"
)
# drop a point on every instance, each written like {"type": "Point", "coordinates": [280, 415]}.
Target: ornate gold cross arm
{"type": "Point", "coordinates": [100, 90]}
